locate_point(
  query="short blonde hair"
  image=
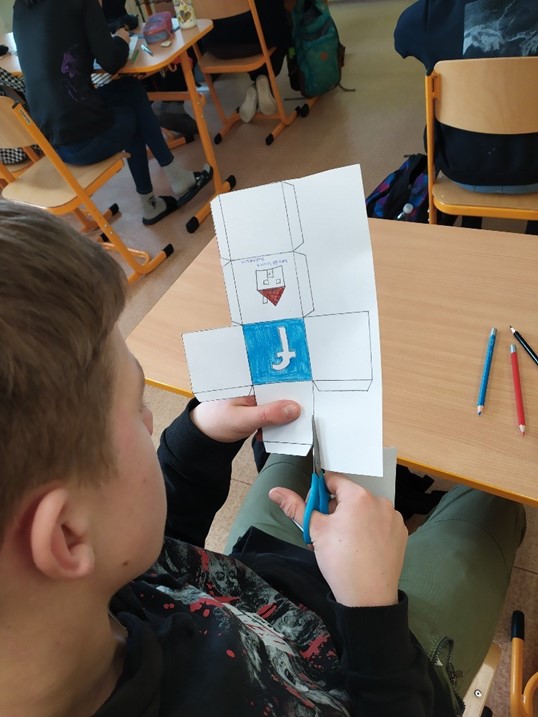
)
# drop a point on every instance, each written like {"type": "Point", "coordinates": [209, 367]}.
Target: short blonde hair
{"type": "Point", "coordinates": [60, 297]}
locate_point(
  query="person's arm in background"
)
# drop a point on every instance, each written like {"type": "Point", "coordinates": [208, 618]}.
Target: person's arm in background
{"type": "Point", "coordinates": [410, 37]}
{"type": "Point", "coordinates": [111, 52]}
{"type": "Point", "coordinates": [196, 453]}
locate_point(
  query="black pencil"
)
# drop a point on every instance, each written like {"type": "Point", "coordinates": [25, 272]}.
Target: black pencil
{"type": "Point", "coordinates": [525, 345]}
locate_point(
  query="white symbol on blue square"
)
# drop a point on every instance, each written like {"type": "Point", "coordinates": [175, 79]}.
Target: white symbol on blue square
{"type": "Point", "coordinates": [277, 351]}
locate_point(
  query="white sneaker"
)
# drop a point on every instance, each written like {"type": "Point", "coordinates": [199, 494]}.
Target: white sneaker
{"type": "Point", "coordinates": [248, 108]}
{"type": "Point", "coordinates": [266, 101]}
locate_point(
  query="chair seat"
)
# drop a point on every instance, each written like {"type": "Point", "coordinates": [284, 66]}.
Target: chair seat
{"type": "Point", "coordinates": [212, 65]}
{"type": "Point", "coordinates": [448, 192]}
{"type": "Point", "coordinates": [19, 166]}
{"type": "Point", "coordinates": [44, 182]}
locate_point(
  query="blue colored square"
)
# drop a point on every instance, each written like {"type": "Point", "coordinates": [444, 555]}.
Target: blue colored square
{"type": "Point", "coordinates": [277, 351]}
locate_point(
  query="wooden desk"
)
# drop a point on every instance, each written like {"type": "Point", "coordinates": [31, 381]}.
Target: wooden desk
{"type": "Point", "coordinates": [144, 64]}
{"type": "Point", "coordinates": [440, 290]}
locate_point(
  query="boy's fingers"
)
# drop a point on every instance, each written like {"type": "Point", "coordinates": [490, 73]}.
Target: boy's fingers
{"type": "Point", "coordinates": [277, 413]}
{"type": "Point", "coordinates": [338, 482]}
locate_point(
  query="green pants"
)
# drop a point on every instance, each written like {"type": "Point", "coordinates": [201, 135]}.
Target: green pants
{"type": "Point", "coordinates": [456, 570]}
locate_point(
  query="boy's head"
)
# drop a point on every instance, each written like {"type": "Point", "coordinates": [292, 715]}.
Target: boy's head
{"type": "Point", "coordinates": [72, 423]}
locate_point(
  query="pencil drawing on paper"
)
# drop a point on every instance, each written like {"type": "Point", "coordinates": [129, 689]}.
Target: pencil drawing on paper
{"type": "Point", "coordinates": [297, 322]}
{"type": "Point", "coordinates": [270, 284]}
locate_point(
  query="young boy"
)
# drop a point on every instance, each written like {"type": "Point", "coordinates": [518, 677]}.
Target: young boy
{"type": "Point", "coordinates": [98, 617]}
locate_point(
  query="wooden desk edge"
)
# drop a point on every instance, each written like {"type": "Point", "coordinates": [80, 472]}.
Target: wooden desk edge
{"type": "Point", "coordinates": [131, 68]}
{"type": "Point", "coordinates": [479, 485]}
{"type": "Point", "coordinates": [413, 465]}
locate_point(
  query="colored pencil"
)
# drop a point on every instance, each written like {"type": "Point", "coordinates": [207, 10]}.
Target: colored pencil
{"type": "Point", "coordinates": [525, 345]}
{"type": "Point", "coordinates": [485, 373]}
{"type": "Point", "coordinates": [146, 49]}
{"type": "Point", "coordinates": [517, 389]}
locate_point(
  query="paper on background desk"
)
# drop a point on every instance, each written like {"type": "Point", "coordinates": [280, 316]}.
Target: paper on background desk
{"type": "Point", "coordinates": [298, 268]}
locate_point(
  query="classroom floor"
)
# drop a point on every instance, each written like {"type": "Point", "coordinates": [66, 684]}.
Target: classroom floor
{"type": "Point", "coordinates": [376, 123]}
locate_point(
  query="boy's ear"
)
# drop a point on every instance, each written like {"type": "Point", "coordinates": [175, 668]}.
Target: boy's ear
{"type": "Point", "coordinates": [59, 537]}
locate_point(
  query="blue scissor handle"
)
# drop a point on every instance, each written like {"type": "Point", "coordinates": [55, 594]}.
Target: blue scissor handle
{"type": "Point", "coordinates": [318, 499]}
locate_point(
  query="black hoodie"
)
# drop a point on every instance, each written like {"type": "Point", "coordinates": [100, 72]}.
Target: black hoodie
{"type": "Point", "coordinates": [257, 634]}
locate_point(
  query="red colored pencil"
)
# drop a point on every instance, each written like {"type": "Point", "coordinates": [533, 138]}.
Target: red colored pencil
{"type": "Point", "coordinates": [517, 389]}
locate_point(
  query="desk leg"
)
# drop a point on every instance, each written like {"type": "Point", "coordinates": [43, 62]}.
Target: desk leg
{"type": "Point", "coordinates": [220, 187]}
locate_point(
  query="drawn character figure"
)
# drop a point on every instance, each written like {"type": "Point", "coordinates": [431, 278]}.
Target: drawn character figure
{"type": "Point", "coordinates": [270, 283]}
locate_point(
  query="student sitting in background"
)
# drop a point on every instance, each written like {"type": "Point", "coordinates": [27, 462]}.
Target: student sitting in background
{"type": "Point", "coordinates": [236, 36]}
{"type": "Point", "coordinates": [433, 30]}
{"type": "Point", "coordinates": [57, 43]}
{"type": "Point", "coordinates": [100, 617]}
{"type": "Point", "coordinates": [171, 115]}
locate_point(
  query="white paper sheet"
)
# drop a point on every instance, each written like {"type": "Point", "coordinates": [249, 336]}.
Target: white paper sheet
{"type": "Point", "coordinates": [384, 487]}
{"type": "Point", "coordinates": [298, 268]}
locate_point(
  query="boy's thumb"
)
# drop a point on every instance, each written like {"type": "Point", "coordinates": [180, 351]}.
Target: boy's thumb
{"type": "Point", "coordinates": [291, 504]}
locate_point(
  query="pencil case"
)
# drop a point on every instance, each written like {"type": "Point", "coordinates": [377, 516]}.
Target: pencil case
{"type": "Point", "coordinates": [158, 27]}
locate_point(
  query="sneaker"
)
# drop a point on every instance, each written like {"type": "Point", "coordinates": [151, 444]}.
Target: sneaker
{"type": "Point", "coordinates": [266, 101]}
{"type": "Point", "coordinates": [248, 108]}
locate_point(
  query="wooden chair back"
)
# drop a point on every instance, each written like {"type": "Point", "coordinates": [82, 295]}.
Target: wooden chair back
{"type": "Point", "coordinates": [12, 133]}
{"type": "Point", "coordinates": [219, 9]}
{"type": "Point", "coordinates": [497, 95]}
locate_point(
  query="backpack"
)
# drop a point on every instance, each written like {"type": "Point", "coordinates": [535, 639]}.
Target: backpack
{"type": "Point", "coordinates": [316, 57]}
{"type": "Point", "coordinates": [406, 185]}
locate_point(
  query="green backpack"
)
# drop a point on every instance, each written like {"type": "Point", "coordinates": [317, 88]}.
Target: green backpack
{"type": "Point", "coordinates": [316, 58]}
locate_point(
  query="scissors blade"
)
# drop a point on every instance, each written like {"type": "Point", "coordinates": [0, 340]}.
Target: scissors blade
{"type": "Point", "coordinates": [316, 456]}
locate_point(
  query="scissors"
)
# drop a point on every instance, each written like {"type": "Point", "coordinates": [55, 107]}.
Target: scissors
{"type": "Point", "coordinates": [318, 498]}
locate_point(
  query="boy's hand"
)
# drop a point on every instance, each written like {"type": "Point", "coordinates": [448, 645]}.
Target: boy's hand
{"type": "Point", "coordinates": [359, 546]}
{"type": "Point", "coordinates": [237, 418]}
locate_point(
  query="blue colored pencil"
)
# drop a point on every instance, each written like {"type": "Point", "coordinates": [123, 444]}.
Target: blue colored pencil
{"type": "Point", "coordinates": [485, 373]}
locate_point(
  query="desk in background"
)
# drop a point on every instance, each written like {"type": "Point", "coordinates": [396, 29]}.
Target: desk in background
{"type": "Point", "coordinates": [440, 290]}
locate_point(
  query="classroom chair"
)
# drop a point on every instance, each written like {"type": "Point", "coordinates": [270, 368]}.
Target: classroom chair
{"type": "Point", "coordinates": [491, 95]}
{"type": "Point", "coordinates": [59, 188]}
{"type": "Point", "coordinates": [210, 65]}
{"type": "Point", "coordinates": [475, 699]}
{"type": "Point", "coordinates": [521, 697]}
{"type": "Point", "coordinates": [16, 169]}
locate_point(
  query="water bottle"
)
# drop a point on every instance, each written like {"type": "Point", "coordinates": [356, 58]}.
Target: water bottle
{"type": "Point", "coordinates": [404, 215]}
{"type": "Point", "coordinates": [185, 14]}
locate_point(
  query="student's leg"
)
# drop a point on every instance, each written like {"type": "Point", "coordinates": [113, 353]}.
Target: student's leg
{"type": "Point", "coordinates": [258, 510]}
{"type": "Point", "coordinates": [128, 92]}
{"type": "Point", "coordinates": [456, 572]}
{"type": "Point", "coordinates": [121, 135]}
